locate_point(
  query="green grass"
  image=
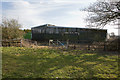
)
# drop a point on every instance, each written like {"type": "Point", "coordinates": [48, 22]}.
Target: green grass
{"type": "Point", "coordinates": [19, 62]}
{"type": "Point", "coordinates": [27, 35]}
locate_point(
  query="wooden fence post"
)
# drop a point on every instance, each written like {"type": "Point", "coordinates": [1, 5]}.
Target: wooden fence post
{"type": "Point", "coordinates": [49, 42]}
{"type": "Point", "coordinates": [57, 43]}
{"type": "Point", "coordinates": [89, 44]}
{"type": "Point", "coordinates": [21, 43]}
{"type": "Point", "coordinates": [104, 45]}
{"type": "Point", "coordinates": [36, 43]}
{"type": "Point", "coordinates": [67, 43]}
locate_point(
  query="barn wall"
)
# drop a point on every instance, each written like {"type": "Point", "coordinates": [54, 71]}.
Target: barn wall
{"type": "Point", "coordinates": [73, 34]}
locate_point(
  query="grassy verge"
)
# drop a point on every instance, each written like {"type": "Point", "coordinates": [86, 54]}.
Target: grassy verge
{"type": "Point", "coordinates": [19, 62]}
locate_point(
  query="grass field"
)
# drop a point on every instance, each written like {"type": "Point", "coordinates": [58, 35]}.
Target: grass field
{"type": "Point", "coordinates": [19, 62]}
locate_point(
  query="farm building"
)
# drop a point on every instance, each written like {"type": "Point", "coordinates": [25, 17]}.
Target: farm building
{"type": "Point", "coordinates": [51, 32]}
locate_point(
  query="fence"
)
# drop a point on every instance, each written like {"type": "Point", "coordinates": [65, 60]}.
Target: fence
{"type": "Point", "coordinates": [104, 45]}
{"type": "Point", "coordinates": [82, 45]}
{"type": "Point", "coordinates": [14, 42]}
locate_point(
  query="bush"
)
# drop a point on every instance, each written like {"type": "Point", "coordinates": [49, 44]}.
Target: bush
{"type": "Point", "coordinates": [10, 29]}
{"type": "Point", "coordinates": [113, 45]}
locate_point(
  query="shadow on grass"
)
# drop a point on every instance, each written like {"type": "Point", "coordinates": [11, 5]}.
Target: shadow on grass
{"type": "Point", "coordinates": [83, 66]}
{"type": "Point", "coordinates": [68, 64]}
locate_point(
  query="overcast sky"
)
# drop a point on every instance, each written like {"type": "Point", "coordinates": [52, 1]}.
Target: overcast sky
{"type": "Point", "coordinates": [32, 13]}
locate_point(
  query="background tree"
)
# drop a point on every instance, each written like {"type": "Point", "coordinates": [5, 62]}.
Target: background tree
{"type": "Point", "coordinates": [10, 29]}
{"type": "Point", "coordinates": [27, 30]}
{"type": "Point", "coordinates": [102, 13]}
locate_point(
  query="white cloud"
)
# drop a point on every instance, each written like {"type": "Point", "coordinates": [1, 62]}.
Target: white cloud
{"type": "Point", "coordinates": [0, 12]}
{"type": "Point", "coordinates": [25, 12]}
{"type": "Point", "coordinates": [57, 1]}
{"type": "Point", "coordinates": [112, 28]}
{"type": "Point", "coordinates": [77, 18]}
{"type": "Point", "coordinates": [30, 14]}
{"type": "Point", "coordinates": [59, 12]}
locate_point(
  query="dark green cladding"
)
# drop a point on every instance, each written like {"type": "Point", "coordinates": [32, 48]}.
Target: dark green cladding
{"type": "Point", "coordinates": [85, 35]}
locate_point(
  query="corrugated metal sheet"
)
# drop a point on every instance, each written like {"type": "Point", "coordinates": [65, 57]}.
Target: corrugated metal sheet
{"type": "Point", "coordinates": [47, 32]}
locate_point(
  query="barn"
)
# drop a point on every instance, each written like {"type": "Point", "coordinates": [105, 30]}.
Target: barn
{"type": "Point", "coordinates": [48, 32]}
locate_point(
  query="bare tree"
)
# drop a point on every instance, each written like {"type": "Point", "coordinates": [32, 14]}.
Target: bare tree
{"type": "Point", "coordinates": [10, 29]}
{"type": "Point", "coordinates": [102, 13]}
